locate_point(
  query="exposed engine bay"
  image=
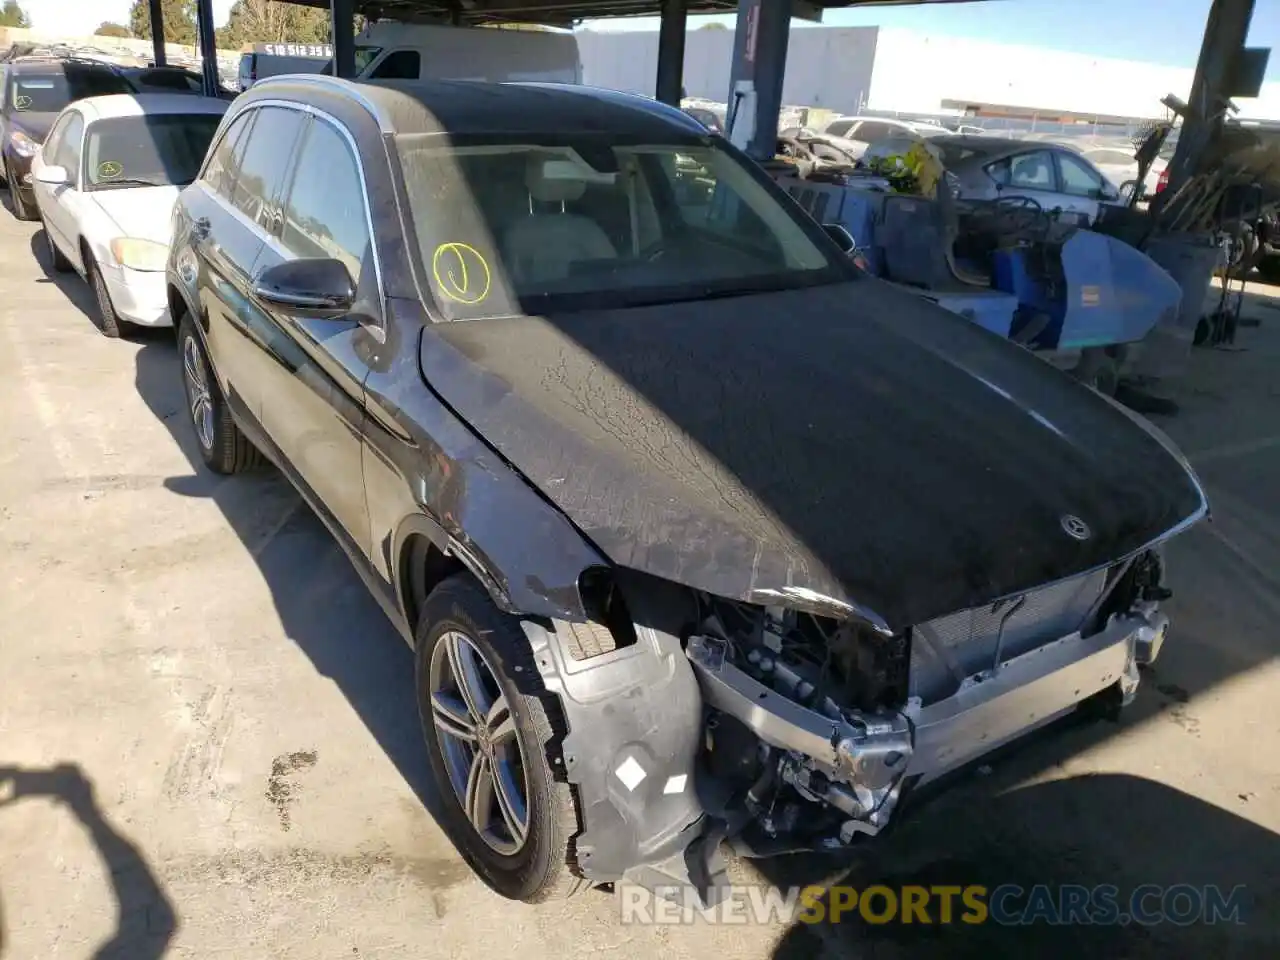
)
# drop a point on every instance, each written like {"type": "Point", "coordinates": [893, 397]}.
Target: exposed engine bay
{"type": "Point", "coordinates": [816, 727]}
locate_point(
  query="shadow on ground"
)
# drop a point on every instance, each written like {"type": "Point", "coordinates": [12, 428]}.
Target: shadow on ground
{"type": "Point", "coordinates": [1091, 830]}
{"type": "Point", "coordinates": [146, 920]}
{"type": "Point", "coordinates": [70, 284]}
{"type": "Point", "coordinates": [323, 605]}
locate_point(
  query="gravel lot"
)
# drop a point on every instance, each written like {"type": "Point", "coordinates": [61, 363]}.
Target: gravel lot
{"type": "Point", "coordinates": [209, 745]}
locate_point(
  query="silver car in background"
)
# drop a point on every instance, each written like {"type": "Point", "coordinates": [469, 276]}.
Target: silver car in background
{"type": "Point", "coordinates": [872, 129]}
{"type": "Point", "coordinates": [1054, 176]}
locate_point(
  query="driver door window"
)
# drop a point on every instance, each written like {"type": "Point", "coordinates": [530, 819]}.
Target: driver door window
{"type": "Point", "coordinates": [68, 152]}
{"type": "Point", "coordinates": [54, 140]}
{"type": "Point", "coordinates": [325, 215]}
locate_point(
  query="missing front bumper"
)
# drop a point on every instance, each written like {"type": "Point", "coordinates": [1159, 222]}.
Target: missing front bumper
{"type": "Point", "coordinates": [870, 755]}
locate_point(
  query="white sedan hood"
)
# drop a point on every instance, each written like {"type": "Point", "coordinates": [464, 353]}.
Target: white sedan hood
{"type": "Point", "coordinates": [143, 212]}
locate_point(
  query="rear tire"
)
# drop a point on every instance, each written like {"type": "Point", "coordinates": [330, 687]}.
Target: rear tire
{"type": "Point", "coordinates": [223, 447]}
{"type": "Point", "coordinates": [461, 632]}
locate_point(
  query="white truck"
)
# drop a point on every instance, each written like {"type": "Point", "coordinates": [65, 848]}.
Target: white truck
{"type": "Point", "coordinates": [390, 50]}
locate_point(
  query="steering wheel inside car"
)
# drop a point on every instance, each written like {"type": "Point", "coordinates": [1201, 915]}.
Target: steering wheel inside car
{"type": "Point", "coordinates": [1018, 214]}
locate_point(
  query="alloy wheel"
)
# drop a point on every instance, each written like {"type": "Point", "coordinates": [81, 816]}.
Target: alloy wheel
{"type": "Point", "coordinates": [198, 395]}
{"type": "Point", "coordinates": [477, 734]}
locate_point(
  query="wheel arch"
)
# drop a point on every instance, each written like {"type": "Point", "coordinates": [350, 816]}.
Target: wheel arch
{"type": "Point", "coordinates": [422, 565]}
{"type": "Point", "coordinates": [179, 303]}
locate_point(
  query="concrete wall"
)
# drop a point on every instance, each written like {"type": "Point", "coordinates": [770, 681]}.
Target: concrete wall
{"type": "Point", "coordinates": [842, 68]}
{"type": "Point", "coordinates": [916, 71]}
{"type": "Point", "coordinates": [828, 68]}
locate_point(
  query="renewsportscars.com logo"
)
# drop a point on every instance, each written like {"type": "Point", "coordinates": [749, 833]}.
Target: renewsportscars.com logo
{"type": "Point", "coordinates": [1006, 905]}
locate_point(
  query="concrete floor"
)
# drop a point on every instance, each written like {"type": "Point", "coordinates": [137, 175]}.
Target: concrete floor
{"type": "Point", "coordinates": [209, 746]}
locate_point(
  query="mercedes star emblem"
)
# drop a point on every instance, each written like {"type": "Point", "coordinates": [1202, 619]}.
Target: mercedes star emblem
{"type": "Point", "coordinates": [1076, 528]}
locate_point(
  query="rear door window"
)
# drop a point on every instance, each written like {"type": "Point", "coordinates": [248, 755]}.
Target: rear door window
{"type": "Point", "coordinates": [260, 174]}
{"type": "Point", "coordinates": [1030, 171]}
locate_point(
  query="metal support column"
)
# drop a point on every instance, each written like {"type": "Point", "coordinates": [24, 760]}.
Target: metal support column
{"type": "Point", "coordinates": [157, 32]}
{"type": "Point", "coordinates": [1214, 85]}
{"type": "Point", "coordinates": [671, 35]}
{"type": "Point", "coordinates": [208, 48]}
{"type": "Point", "coordinates": [756, 76]}
{"type": "Point", "coordinates": [344, 37]}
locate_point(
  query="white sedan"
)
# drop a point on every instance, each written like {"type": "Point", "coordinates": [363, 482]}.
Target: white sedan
{"type": "Point", "coordinates": [105, 184]}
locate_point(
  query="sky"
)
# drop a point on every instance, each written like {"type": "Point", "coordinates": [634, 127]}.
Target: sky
{"type": "Point", "coordinates": [1157, 31]}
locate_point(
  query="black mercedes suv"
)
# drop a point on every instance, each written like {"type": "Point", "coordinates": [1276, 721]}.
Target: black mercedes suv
{"type": "Point", "coordinates": [700, 535]}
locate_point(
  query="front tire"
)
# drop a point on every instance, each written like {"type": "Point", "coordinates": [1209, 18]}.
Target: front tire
{"type": "Point", "coordinates": [108, 321]}
{"type": "Point", "coordinates": [488, 723]}
{"type": "Point", "coordinates": [223, 447]}
{"type": "Point", "coordinates": [58, 262]}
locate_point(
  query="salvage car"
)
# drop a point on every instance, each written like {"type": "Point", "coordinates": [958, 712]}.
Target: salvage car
{"type": "Point", "coordinates": [1048, 175]}
{"type": "Point", "coordinates": [700, 534]}
{"type": "Point", "coordinates": [105, 183]}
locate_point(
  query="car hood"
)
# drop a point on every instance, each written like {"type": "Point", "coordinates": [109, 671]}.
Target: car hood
{"type": "Point", "coordinates": [143, 212]}
{"type": "Point", "coordinates": [847, 448]}
{"type": "Point", "coordinates": [34, 125]}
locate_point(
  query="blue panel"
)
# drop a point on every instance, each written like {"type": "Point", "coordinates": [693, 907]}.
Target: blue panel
{"type": "Point", "coordinates": [990, 309]}
{"type": "Point", "coordinates": [1115, 293]}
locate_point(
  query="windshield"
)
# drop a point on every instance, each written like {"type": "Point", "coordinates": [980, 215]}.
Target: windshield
{"type": "Point", "coordinates": [157, 150]}
{"type": "Point", "coordinates": [49, 92]}
{"type": "Point", "coordinates": [586, 222]}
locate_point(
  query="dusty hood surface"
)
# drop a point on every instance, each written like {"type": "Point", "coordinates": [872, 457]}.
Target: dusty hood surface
{"type": "Point", "coordinates": [850, 441]}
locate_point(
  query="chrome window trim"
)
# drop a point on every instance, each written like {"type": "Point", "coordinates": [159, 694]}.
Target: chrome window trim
{"type": "Point", "coordinates": [377, 329]}
{"type": "Point", "coordinates": [339, 85]}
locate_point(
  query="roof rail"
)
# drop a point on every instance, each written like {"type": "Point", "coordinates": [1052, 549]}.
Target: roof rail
{"type": "Point", "coordinates": [349, 87]}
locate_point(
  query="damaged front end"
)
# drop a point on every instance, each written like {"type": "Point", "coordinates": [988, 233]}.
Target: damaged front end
{"type": "Point", "coordinates": [810, 729]}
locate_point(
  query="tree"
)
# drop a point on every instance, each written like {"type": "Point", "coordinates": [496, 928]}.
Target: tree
{"type": "Point", "coordinates": [714, 25]}
{"type": "Point", "coordinates": [269, 21]}
{"type": "Point", "coordinates": [109, 29]}
{"type": "Point", "coordinates": [179, 20]}
{"type": "Point", "coordinates": [12, 15]}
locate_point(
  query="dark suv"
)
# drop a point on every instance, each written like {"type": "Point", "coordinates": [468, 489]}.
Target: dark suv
{"type": "Point", "coordinates": [699, 533]}
{"type": "Point", "coordinates": [32, 92]}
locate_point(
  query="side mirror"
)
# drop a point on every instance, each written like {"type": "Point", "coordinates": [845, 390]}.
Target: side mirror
{"type": "Point", "coordinates": [53, 176]}
{"type": "Point", "coordinates": [842, 237]}
{"type": "Point", "coordinates": [320, 287]}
